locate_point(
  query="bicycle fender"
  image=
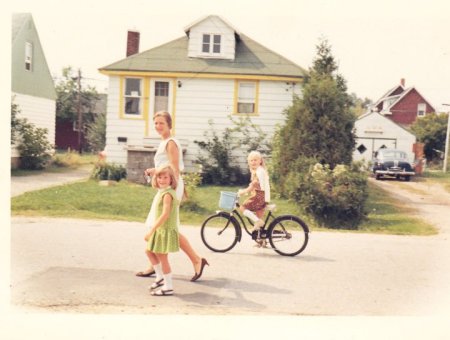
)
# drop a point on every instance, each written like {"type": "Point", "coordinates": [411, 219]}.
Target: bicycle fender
{"type": "Point", "coordinates": [294, 218]}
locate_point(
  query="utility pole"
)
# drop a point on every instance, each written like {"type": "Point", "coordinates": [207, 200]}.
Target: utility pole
{"type": "Point", "coordinates": [79, 114]}
{"type": "Point", "coordinates": [446, 141]}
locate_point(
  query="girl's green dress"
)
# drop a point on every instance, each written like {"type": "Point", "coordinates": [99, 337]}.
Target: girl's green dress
{"type": "Point", "coordinates": [165, 239]}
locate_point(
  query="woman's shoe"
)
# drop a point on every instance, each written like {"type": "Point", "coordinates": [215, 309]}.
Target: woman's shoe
{"type": "Point", "coordinates": [199, 274]}
{"type": "Point", "coordinates": [146, 273]}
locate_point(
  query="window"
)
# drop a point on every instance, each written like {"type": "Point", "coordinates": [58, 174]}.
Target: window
{"type": "Point", "coordinates": [421, 109]}
{"type": "Point", "coordinates": [133, 96]}
{"type": "Point", "coordinates": [211, 43]}
{"type": "Point", "coordinates": [161, 101]}
{"type": "Point", "coordinates": [28, 56]}
{"type": "Point", "coordinates": [246, 97]}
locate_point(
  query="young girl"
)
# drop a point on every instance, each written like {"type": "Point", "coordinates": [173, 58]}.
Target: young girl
{"type": "Point", "coordinates": [163, 236]}
{"type": "Point", "coordinates": [253, 207]}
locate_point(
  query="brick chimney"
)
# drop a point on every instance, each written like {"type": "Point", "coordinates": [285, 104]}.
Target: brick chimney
{"type": "Point", "coordinates": [402, 82]}
{"type": "Point", "coordinates": [132, 42]}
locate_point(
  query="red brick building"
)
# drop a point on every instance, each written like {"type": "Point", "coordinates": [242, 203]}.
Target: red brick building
{"type": "Point", "coordinates": [403, 105]}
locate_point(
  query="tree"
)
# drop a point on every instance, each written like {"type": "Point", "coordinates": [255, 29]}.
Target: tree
{"type": "Point", "coordinates": [96, 133]}
{"type": "Point", "coordinates": [431, 130]}
{"type": "Point", "coordinates": [68, 102]}
{"type": "Point", "coordinates": [319, 125]}
{"type": "Point", "coordinates": [312, 151]}
{"type": "Point", "coordinates": [359, 105]}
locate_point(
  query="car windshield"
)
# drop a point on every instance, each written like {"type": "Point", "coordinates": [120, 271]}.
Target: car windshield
{"type": "Point", "coordinates": [393, 154]}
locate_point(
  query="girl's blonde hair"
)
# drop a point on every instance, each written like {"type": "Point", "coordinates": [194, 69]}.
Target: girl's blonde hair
{"type": "Point", "coordinates": [165, 169]}
{"type": "Point", "coordinates": [166, 115]}
{"type": "Point", "coordinates": [258, 154]}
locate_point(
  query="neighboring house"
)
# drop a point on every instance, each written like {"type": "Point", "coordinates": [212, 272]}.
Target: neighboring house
{"type": "Point", "coordinates": [31, 82]}
{"type": "Point", "coordinates": [213, 71]}
{"type": "Point", "coordinates": [375, 131]}
{"type": "Point", "coordinates": [403, 105]}
{"type": "Point", "coordinates": [67, 129]}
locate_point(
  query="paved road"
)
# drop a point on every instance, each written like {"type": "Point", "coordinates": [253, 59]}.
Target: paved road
{"type": "Point", "coordinates": [87, 266]}
{"type": "Point", "coordinates": [22, 184]}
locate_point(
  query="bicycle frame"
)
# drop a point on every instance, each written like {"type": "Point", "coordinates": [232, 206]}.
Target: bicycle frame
{"type": "Point", "coordinates": [270, 216]}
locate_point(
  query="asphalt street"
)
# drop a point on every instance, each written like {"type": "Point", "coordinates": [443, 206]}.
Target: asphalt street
{"type": "Point", "coordinates": [88, 266]}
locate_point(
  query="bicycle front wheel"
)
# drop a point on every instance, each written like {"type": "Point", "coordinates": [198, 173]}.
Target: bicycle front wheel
{"type": "Point", "coordinates": [288, 235]}
{"type": "Point", "coordinates": [220, 232]}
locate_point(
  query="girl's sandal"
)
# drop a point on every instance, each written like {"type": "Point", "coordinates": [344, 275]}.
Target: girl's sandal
{"type": "Point", "coordinates": [162, 292]}
{"type": "Point", "coordinates": [156, 284]}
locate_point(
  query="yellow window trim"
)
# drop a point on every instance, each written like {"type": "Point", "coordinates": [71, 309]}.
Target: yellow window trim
{"type": "Point", "coordinates": [199, 75]}
{"type": "Point", "coordinates": [144, 98]}
{"type": "Point", "coordinates": [236, 95]}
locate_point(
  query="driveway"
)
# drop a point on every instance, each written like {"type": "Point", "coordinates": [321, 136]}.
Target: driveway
{"type": "Point", "coordinates": [72, 265]}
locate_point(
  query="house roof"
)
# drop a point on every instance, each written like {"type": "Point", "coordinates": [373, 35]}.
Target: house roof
{"type": "Point", "coordinates": [251, 58]}
{"type": "Point", "coordinates": [399, 96]}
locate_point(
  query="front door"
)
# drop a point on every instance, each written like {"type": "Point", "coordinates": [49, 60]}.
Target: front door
{"type": "Point", "coordinates": [160, 100]}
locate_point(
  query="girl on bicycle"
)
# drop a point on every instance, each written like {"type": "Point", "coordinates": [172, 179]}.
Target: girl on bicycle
{"type": "Point", "coordinates": [163, 237]}
{"type": "Point", "coordinates": [259, 187]}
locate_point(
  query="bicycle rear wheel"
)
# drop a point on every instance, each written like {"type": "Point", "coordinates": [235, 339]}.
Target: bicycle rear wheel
{"type": "Point", "coordinates": [220, 232]}
{"type": "Point", "coordinates": [288, 235]}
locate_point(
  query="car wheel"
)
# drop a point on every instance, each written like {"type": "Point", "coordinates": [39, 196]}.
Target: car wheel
{"type": "Point", "coordinates": [407, 178]}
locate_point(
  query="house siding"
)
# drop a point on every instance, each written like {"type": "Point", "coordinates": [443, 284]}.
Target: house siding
{"type": "Point", "coordinates": [38, 111]}
{"type": "Point", "coordinates": [373, 131]}
{"type": "Point", "coordinates": [405, 111]}
{"type": "Point", "coordinates": [197, 102]}
{"type": "Point", "coordinates": [212, 25]}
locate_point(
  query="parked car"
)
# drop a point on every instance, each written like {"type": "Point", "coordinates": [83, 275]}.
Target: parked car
{"type": "Point", "coordinates": [392, 163]}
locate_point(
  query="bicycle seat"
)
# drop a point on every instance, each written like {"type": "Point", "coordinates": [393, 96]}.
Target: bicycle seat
{"type": "Point", "coordinates": [271, 207]}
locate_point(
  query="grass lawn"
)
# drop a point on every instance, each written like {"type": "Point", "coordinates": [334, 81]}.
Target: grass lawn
{"type": "Point", "coordinates": [63, 162]}
{"type": "Point", "coordinates": [131, 202]}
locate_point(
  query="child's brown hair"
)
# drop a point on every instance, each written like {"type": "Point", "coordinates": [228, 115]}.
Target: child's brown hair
{"type": "Point", "coordinates": [165, 169]}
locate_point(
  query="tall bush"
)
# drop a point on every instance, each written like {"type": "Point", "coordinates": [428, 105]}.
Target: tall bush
{"type": "Point", "coordinates": [334, 197]}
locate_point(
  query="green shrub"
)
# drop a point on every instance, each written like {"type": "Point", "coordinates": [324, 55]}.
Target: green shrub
{"type": "Point", "coordinates": [191, 182]}
{"type": "Point", "coordinates": [219, 165]}
{"type": "Point", "coordinates": [108, 171]}
{"type": "Point", "coordinates": [335, 198]}
{"type": "Point", "coordinates": [34, 148]}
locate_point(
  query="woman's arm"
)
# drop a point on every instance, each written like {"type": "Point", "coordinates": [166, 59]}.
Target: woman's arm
{"type": "Point", "coordinates": [167, 205]}
{"type": "Point", "coordinates": [174, 157]}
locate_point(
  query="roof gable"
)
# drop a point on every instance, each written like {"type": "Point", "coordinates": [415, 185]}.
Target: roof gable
{"type": "Point", "coordinates": [382, 118]}
{"type": "Point", "coordinates": [195, 23]}
{"type": "Point", "coordinates": [38, 82]}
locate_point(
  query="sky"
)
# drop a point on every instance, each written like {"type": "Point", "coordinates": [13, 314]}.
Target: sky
{"type": "Point", "coordinates": [376, 43]}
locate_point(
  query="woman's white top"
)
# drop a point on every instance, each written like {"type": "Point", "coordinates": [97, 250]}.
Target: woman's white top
{"type": "Point", "coordinates": [161, 158]}
{"type": "Point", "coordinates": [263, 179]}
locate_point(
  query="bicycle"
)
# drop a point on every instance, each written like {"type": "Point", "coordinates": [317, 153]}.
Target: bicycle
{"type": "Point", "coordinates": [288, 235]}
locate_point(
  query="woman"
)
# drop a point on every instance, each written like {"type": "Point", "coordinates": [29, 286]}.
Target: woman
{"type": "Point", "coordinates": [169, 152]}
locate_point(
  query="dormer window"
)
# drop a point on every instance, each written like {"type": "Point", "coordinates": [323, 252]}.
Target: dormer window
{"type": "Point", "coordinates": [28, 56]}
{"type": "Point", "coordinates": [211, 44]}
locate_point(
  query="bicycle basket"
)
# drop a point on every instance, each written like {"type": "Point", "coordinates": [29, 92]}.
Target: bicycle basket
{"type": "Point", "coordinates": [227, 200]}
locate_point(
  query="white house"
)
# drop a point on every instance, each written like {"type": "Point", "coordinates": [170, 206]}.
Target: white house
{"type": "Point", "coordinates": [375, 131]}
{"type": "Point", "coordinates": [31, 82]}
{"type": "Point", "coordinates": [213, 71]}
